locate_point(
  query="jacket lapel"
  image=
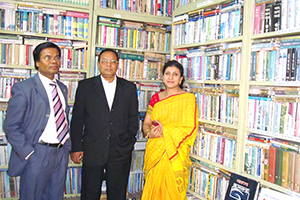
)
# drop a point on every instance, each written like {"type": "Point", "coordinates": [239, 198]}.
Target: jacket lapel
{"type": "Point", "coordinates": [119, 91]}
{"type": "Point", "coordinates": [100, 90]}
{"type": "Point", "coordinates": [40, 89]}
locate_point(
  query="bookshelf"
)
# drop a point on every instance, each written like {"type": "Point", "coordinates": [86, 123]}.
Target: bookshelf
{"type": "Point", "coordinates": [24, 24]}
{"type": "Point", "coordinates": [265, 89]}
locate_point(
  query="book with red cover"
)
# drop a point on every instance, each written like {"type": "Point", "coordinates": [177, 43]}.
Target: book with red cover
{"type": "Point", "coordinates": [272, 164]}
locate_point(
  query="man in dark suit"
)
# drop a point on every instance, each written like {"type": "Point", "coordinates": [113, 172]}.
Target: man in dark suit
{"type": "Point", "coordinates": [40, 149]}
{"type": "Point", "coordinates": [103, 128]}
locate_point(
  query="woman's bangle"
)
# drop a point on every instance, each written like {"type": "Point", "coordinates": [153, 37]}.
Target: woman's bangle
{"type": "Point", "coordinates": [147, 134]}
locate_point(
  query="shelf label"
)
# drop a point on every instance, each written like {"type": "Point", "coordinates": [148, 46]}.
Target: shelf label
{"type": "Point", "coordinates": [293, 194]}
{"type": "Point", "coordinates": [287, 83]}
{"type": "Point", "coordinates": [117, 15]}
{"type": "Point", "coordinates": [168, 22]}
{"type": "Point", "coordinates": [204, 3]}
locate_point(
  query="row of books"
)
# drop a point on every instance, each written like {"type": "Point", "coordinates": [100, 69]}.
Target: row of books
{"type": "Point", "coordinates": [5, 150]}
{"type": "Point", "coordinates": [211, 63]}
{"type": "Point", "coordinates": [158, 7]}
{"type": "Point", "coordinates": [136, 176]}
{"type": "Point", "coordinates": [6, 84]}
{"type": "Point", "coordinates": [210, 24]}
{"type": "Point", "coordinates": [274, 161]}
{"type": "Point", "coordinates": [73, 180]}
{"type": "Point", "coordinates": [135, 35]}
{"type": "Point", "coordinates": [279, 15]}
{"type": "Point", "coordinates": [275, 59]}
{"type": "Point", "coordinates": [9, 186]}
{"type": "Point", "coordinates": [144, 98]}
{"type": "Point", "coordinates": [218, 146]}
{"type": "Point", "coordinates": [207, 183]}
{"type": "Point", "coordinates": [8, 77]}
{"type": "Point", "coordinates": [219, 106]}
{"type": "Point", "coordinates": [36, 19]}
{"type": "Point", "coordinates": [17, 50]}
{"type": "Point", "coordinates": [275, 117]}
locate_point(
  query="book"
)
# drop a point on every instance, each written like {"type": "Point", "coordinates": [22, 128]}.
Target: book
{"type": "Point", "coordinates": [269, 194]}
{"type": "Point", "coordinates": [241, 188]}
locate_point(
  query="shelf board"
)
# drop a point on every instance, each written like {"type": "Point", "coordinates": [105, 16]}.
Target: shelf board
{"type": "Point", "coordinates": [16, 66]}
{"type": "Point", "coordinates": [275, 83]}
{"type": "Point", "coordinates": [144, 80]}
{"type": "Point", "coordinates": [281, 33]}
{"type": "Point", "coordinates": [3, 100]}
{"type": "Point", "coordinates": [42, 35]}
{"type": "Point", "coordinates": [56, 4]}
{"type": "Point", "coordinates": [73, 70]}
{"type": "Point", "coordinates": [218, 123]}
{"type": "Point", "coordinates": [130, 49]}
{"type": "Point", "coordinates": [213, 82]}
{"type": "Point", "coordinates": [212, 163]}
{"type": "Point", "coordinates": [3, 167]}
{"type": "Point", "coordinates": [275, 135]}
{"type": "Point", "coordinates": [196, 195]}
{"type": "Point", "coordinates": [227, 40]}
{"type": "Point", "coordinates": [266, 183]}
{"type": "Point", "coordinates": [132, 16]}
{"type": "Point", "coordinates": [196, 6]}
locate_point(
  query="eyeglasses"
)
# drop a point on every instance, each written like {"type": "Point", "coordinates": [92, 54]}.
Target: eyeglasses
{"type": "Point", "coordinates": [50, 58]}
{"type": "Point", "coordinates": [112, 62]}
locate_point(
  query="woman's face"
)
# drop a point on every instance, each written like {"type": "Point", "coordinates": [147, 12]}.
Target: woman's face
{"type": "Point", "coordinates": [172, 77]}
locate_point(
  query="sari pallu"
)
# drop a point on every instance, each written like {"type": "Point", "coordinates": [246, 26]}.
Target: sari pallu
{"type": "Point", "coordinates": [167, 161]}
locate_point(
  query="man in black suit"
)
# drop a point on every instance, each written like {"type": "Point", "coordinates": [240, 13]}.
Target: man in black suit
{"type": "Point", "coordinates": [103, 129]}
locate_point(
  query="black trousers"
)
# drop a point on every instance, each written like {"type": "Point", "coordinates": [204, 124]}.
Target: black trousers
{"type": "Point", "coordinates": [116, 175]}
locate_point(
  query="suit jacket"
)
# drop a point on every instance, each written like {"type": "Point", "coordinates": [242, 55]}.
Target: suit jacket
{"type": "Point", "coordinates": [95, 128]}
{"type": "Point", "coordinates": [27, 115]}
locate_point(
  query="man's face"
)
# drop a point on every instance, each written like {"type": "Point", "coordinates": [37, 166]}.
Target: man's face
{"type": "Point", "coordinates": [49, 62]}
{"type": "Point", "coordinates": [108, 65]}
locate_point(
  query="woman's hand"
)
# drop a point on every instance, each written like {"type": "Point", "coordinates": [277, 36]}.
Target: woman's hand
{"type": "Point", "coordinates": [156, 131]}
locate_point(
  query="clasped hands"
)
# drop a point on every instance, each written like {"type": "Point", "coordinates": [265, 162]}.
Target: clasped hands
{"type": "Point", "coordinates": [155, 131]}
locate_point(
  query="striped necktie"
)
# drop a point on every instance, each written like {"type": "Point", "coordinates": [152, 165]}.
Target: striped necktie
{"type": "Point", "coordinates": [62, 128]}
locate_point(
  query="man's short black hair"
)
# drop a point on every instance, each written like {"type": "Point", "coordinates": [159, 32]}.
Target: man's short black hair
{"type": "Point", "coordinates": [108, 50]}
{"type": "Point", "coordinates": [40, 47]}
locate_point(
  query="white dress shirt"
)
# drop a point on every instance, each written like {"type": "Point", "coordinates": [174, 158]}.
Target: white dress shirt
{"type": "Point", "coordinates": [50, 135]}
{"type": "Point", "coordinates": [110, 90]}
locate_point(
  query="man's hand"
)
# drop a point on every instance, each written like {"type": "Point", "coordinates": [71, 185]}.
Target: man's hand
{"type": "Point", "coordinates": [77, 157]}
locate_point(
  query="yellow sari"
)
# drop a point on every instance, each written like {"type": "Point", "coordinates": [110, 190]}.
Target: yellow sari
{"type": "Point", "coordinates": [167, 161]}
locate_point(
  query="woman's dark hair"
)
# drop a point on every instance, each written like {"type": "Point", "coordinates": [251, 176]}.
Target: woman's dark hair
{"type": "Point", "coordinates": [37, 51]}
{"type": "Point", "coordinates": [174, 63]}
{"type": "Point", "coordinates": [108, 50]}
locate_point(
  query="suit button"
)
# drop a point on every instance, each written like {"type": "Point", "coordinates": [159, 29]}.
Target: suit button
{"type": "Point", "coordinates": [108, 137]}
{"type": "Point", "coordinates": [111, 123]}
{"type": "Point", "coordinates": [47, 115]}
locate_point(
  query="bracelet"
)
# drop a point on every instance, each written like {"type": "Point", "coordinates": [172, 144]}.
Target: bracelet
{"type": "Point", "coordinates": [147, 134]}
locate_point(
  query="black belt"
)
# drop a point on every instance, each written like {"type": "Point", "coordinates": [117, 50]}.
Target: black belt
{"type": "Point", "coordinates": [58, 145]}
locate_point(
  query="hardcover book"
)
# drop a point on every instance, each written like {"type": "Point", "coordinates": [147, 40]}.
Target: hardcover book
{"type": "Point", "coordinates": [241, 188]}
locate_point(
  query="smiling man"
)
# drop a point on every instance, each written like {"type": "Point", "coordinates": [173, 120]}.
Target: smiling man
{"type": "Point", "coordinates": [36, 125]}
{"type": "Point", "coordinates": [103, 128]}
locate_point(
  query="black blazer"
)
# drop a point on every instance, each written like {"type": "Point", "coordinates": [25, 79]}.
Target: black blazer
{"type": "Point", "coordinates": [95, 128]}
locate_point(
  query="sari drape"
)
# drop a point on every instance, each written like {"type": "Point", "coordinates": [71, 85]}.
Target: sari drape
{"type": "Point", "coordinates": [167, 161]}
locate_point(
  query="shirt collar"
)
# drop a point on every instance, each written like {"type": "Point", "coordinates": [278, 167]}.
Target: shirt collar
{"type": "Point", "coordinates": [45, 80]}
{"type": "Point", "coordinates": [105, 82]}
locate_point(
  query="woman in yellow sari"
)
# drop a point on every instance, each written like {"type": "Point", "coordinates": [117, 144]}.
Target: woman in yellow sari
{"type": "Point", "coordinates": [171, 125]}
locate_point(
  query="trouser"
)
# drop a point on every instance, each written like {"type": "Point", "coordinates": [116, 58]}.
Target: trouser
{"type": "Point", "coordinates": [116, 174]}
{"type": "Point", "coordinates": [45, 174]}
